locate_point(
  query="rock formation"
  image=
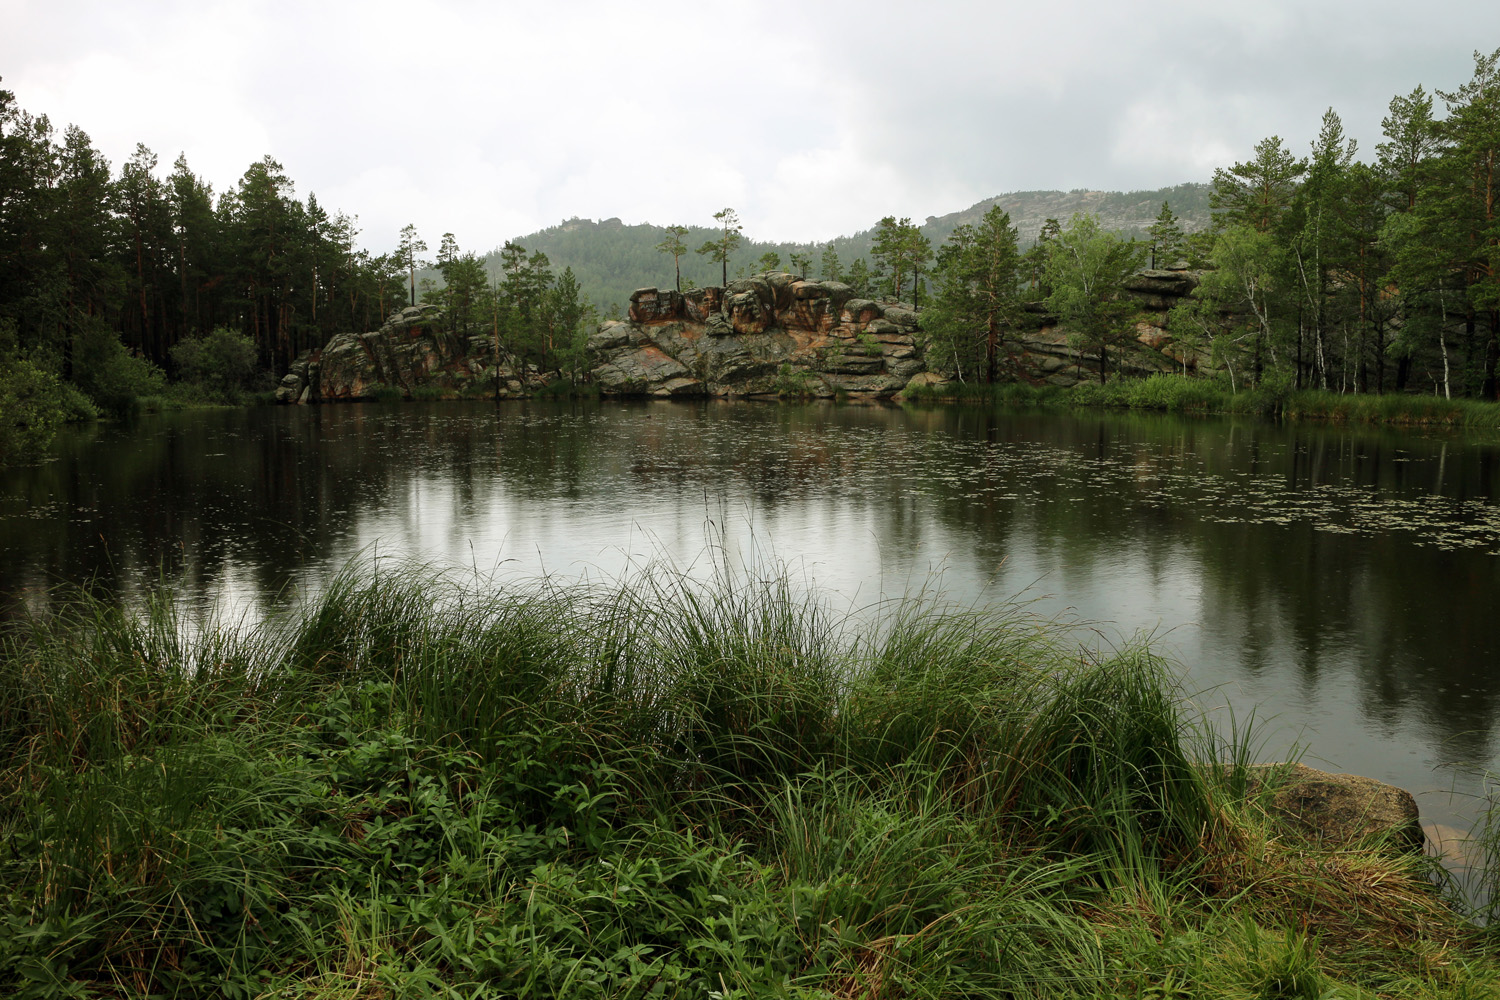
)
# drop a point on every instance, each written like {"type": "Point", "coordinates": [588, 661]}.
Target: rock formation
{"type": "Point", "coordinates": [774, 334]}
{"type": "Point", "coordinates": [411, 351]}
{"type": "Point", "coordinates": [763, 336]}
{"type": "Point", "coordinates": [1338, 809]}
{"type": "Point", "coordinates": [1039, 350]}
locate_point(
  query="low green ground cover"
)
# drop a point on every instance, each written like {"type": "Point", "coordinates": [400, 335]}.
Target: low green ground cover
{"type": "Point", "coordinates": [415, 787]}
{"type": "Point", "coordinates": [1176, 394]}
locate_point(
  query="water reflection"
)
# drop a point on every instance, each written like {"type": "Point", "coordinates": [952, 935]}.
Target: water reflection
{"type": "Point", "coordinates": [1344, 581]}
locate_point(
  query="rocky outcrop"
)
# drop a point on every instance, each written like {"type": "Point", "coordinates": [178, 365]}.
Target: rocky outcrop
{"type": "Point", "coordinates": [411, 351]}
{"type": "Point", "coordinates": [1039, 350]}
{"type": "Point", "coordinates": [774, 334]}
{"type": "Point", "coordinates": [1337, 809]}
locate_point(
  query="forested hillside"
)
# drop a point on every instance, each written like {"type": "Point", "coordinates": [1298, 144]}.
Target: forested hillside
{"type": "Point", "coordinates": [612, 259]}
{"type": "Point", "coordinates": [1331, 270]}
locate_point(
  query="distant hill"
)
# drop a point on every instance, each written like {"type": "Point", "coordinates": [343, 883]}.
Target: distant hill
{"type": "Point", "coordinates": [1127, 213]}
{"type": "Point", "coordinates": [611, 259]}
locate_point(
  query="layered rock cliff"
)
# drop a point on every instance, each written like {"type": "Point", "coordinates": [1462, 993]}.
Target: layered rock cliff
{"type": "Point", "coordinates": [411, 352]}
{"type": "Point", "coordinates": [768, 335]}
{"type": "Point", "coordinates": [1041, 353]}
{"type": "Point", "coordinates": [774, 334]}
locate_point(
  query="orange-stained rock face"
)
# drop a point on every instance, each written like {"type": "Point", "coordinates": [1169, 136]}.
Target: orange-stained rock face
{"type": "Point", "coordinates": [749, 312]}
{"type": "Point", "coordinates": [1153, 337]}
{"type": "Point", "coordinates": [650, 305]}
{"type": "Point", "coordinates": [818, 314]}
{"type": "Point", "coordinates": [860, 311]}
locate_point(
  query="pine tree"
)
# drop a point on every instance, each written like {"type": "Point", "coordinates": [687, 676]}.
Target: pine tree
{"type": "Point", "coordinates": [1257, 192]}
{"type": "Point", "coordinates": [976, 275]}
{"type": "Point", "coordinates": [721, 249]}
{"type": "Point", "coordinates": [1086, 267]}
{"type": "Point", "coordinates": [411, 244]}
{"type": "Point", "coordinates": [673, 246]}
{"type": "Point", "coordinates": [1166, 238]}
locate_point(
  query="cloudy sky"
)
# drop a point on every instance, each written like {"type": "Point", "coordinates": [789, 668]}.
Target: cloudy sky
{"type": "Point", "coordinates": [494, 119]}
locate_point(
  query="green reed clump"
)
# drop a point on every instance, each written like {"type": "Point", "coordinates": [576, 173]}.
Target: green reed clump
{"type": "Point", "coordinates": [1393, 408]}
{"type": "Point", "coordinates": [1174, 393]}
{"type": "Point", "coordinates": [416, 786]}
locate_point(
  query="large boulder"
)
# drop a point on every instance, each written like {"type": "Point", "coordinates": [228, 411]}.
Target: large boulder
{"type": "Point", "coordinates": [816, 305]}
{"type": "Point", "coordinates": [413, 349]}
{"type": "Point", "coordinates": [768, 334]}
{"type": "Point", "coordinates": [699, 304]}
{"type": "Point", "coordinates": [750, 305]}
{"type": "Point", "coordinates": [650, 305]}
{"type": "Point", "coordinates": [1168, 283]}
{"type": "Point", "coordinates": [644, 370]}
{"type": "Point", "coordinates": [860, 311]}
{"type": "Point", "coordinates": [1337, 809]}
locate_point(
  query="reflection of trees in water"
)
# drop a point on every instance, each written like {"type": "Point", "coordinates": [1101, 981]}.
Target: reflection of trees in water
{"type": "Point", "coordinates": [270, 492]}
{"type": "Point", "coordinates": [1414, 624]}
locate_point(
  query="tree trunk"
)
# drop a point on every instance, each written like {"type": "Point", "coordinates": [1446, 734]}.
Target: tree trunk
{"type": "Point", "coordinates": [1492, 355]}
{"type": "Point", "coordinates": [991, 341]}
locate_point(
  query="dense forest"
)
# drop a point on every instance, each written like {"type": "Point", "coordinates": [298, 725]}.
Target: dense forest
{"type": "Point", "coordinates": [1330, 270]}
{"type": "Point", "coordinates": [121, 284]}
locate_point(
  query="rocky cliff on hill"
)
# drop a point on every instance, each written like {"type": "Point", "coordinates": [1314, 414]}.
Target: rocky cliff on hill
{"type": "Point", "coordinates": [762, 336]}
{"type": "Point", "coordinates": [774, 334]}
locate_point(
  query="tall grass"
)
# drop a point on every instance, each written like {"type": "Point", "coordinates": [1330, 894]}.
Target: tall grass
{"type": "Point", "coordinates": [1178, 394]}
{"type": "Point", "coordinates": [413, 786]}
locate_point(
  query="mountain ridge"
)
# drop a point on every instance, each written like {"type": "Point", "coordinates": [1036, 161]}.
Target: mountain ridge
{"type": "Point", "coordinates": [611, 258]}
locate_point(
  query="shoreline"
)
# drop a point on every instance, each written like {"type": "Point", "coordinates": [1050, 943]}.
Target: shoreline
{"type": "Point", "coordinates": [417, 781]}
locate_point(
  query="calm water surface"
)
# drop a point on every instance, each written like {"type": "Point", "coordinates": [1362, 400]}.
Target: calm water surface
{"type": "Point", "coordinates": [1343, 583]}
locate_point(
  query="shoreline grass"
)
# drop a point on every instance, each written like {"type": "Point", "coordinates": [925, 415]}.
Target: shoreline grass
{"type": "Point", "coordinates": [415, 786]}
{"type": "Point", "coordinates": [1175, 394]}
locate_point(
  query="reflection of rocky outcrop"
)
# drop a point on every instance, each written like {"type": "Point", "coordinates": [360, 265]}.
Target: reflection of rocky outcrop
{"type": "Point", "coordinates": [409, 352]}
{"type": "Point", "coordinates": [768, 335]}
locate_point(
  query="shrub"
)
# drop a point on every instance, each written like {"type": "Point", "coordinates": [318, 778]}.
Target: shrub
{"type": "Point", "coordinates": [382, 393]}
{"type": "Point", "coordinates": [113, 378]}
{"type": "Point", "coordinates": [221, 364]}
{"type": "Point", "coordinates": [32, 404]}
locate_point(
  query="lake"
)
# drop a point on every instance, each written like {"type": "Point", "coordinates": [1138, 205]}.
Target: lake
{"type": "Point", "coordinates": [1342, 583]}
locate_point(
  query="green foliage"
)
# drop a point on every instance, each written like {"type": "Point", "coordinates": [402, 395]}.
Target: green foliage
{"type": "Point", "coordinates": [1232, 311]}
{"type": "Point", "coordinates": [409, 787]}
{"type": "Point", "coordinates": [1166, 238]}
{"type": "Point", "coordinates": [1085, 269]}
{"type": "Point", "coordinates": [674, 247]}
{"type": "Point", "coordinates": [1255, 193]}
{"type": "Point", "coordinates": [112, 377]}
{"type": "Point", "coordinates": [221, 365]}
{"type": "Point", "coordinates": [721, 249]}
{"type": "Point", "coordinates": [977, 277]}
{"type": "Point", "coordinates": [828, 264]}
{"type": "Point", "coordinates": [900, 249]}
{"type": "Point", "coordinates": [861, 278]}
{"type": "Point", "coordinates": [31, 402]}
{"type": "Point", "coordinates": [795, 383]}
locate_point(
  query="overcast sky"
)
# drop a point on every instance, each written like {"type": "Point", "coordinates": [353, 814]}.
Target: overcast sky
{"type": "Point", "coordinates": [495, 119]}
